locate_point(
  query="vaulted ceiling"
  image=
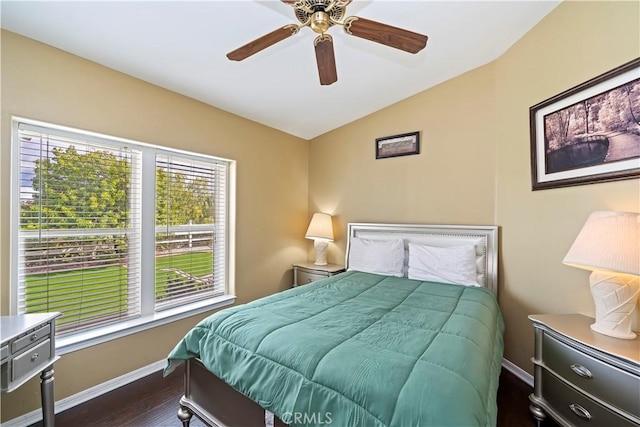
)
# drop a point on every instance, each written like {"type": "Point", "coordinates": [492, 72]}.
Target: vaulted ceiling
{"type": "Point", "coordinates": [182, 46]}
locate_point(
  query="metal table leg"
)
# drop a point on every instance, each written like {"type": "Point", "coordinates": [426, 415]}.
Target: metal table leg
{"type": "Point", "coordinates": [46, 392]}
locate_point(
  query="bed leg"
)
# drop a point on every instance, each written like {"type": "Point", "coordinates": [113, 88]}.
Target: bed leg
{"type": "Point", "coordinates": [538, 414]}
{"type": "Point", "coordinates": [184, 415]}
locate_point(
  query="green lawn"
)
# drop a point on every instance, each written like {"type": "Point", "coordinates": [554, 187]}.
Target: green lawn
{"type": "Point", "coordinates": [80, 294]}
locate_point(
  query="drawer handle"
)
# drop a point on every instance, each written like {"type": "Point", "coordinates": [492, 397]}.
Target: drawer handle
{"type": "Point", "coordinates": [580, 411]}
{"type": "Point", "coordinates": [34, 357]}
{"type": "Point", "coordinates": [581, 370]}
{"type": "Point", "coordinates": [34, 337]}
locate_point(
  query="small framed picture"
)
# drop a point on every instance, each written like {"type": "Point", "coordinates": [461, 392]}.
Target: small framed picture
{"type": "Point", "coordinates": [589, 133]}
{"type": "Point", "coordinates": [398, 145]}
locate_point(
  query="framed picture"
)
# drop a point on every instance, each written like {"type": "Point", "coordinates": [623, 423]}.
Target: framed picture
{"type": "Point", "coordinates": [398, 145]}
{"type": "Point", "coordinates": [590, 133]}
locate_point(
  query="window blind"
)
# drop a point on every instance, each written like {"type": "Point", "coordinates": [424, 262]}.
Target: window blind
{"type": "Point", "coordinates": [190, 229]}
{"type": "Point", "coordinates": [79, 222]}
{"type": "Point", "coordinates": [79, 244]}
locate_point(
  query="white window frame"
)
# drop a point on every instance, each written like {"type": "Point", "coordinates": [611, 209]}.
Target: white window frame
{"type": "Point", "coordinates": [149, 318]}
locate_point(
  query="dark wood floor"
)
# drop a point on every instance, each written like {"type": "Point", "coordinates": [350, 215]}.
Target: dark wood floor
{"type": "Point", "coordinates": [153, 402]}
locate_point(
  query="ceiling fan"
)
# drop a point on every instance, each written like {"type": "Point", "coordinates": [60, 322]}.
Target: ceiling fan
{"type": "Point", "coordinates": [320, 15]}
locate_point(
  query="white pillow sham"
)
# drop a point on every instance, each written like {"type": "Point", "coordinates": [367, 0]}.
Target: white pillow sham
{"type": "Point", "coordinates": [384, 257]}
{"type": "Point", "coordinates": [454, 264]}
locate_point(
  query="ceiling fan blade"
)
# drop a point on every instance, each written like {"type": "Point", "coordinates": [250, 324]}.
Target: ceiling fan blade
{"type": "Point", "coordinates": [326, 59]}
{"type": "Point", "coordinates": [263, 42]}
{"type": "Point", "coordinates": [385, 34]}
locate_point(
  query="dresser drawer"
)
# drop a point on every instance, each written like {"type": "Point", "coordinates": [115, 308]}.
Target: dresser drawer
{"type": "Point", "coordinates": [30, 338]}
{"type": "Point", "coordinates": [601, 380]}
{"type": "Point", "coordinates": [30, 360]}
{"type": "Point", "coordinates": [304, 277]}
{"type": "Point", "coordinates": [576, 408]}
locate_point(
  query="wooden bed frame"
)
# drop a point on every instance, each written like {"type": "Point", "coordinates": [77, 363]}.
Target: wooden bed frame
{"type": "Point", "coordinates": [217, 404]}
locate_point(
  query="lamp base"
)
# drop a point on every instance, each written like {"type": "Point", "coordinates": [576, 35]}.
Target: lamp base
{"type": "Point", "coordinates": [612, 333]}
{"type": "Point", "coordinates": [320, 246]}
{"type": "Point", "coordinates": [615, 297]}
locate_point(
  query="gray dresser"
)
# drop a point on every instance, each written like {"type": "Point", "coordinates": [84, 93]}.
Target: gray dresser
{"type": "Point", "coordinates": [307, 272]}
{"type": "Point", "coordinates": [583, 378]}
{"type": "Point", "coordinates": [28, 348]}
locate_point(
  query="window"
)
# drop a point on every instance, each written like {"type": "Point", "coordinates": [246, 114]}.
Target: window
{"type": "Point", "coordinates": [114, 232]}
{"type": "Point", "coordinates": [189, 248]}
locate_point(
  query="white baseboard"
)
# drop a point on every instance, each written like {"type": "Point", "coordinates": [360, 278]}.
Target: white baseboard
{"type": "Point", "coordinates": [518, 372]}
{"type": "Point", "coordinates": [88, 394]}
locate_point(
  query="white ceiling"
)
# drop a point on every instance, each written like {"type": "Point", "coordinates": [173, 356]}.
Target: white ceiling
{"type": "Point", "coordinates": [181, 46]}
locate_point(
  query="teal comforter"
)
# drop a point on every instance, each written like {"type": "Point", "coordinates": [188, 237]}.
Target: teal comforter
{"type": "Point", "coordinates": [360, 349]}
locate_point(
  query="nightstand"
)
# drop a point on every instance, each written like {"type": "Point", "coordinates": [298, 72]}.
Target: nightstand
{"type": "Point", "coordinates": [27, 348]}
{"type": "Point", "coordinates": [582, 378]}
{"type": "Point", "coordinates": [307, 272]}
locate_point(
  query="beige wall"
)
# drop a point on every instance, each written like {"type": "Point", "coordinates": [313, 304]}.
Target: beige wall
{"type": "Point", "coordinates": [475, 162]}
{"type": "Point", "coordinates": [577, 41]}
{"type": "Point", "coordinates": [46, 84]}
{"type": "Point", "coordinates": [451, 181]}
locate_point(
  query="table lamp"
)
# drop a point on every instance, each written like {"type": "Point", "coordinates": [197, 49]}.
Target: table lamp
{"type": "Point", "coordinates": [609, 246]}
{"type": "Point", "coordinates": [321, 231]}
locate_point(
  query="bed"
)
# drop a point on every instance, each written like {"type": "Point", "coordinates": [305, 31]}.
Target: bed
{"type": "Point", "coordinates": [395, 340]}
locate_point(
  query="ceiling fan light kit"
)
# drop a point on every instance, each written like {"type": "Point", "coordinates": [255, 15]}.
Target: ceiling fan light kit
{"type": "Point", "coordinates": [320, 16]}
{"type": "Point", "coordinates": [320, 22]}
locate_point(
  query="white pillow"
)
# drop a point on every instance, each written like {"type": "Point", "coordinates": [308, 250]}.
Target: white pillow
{"type": "Point", "coordinates": [384, 257]}
{"type": "Point", "coordinates": [454, 264]}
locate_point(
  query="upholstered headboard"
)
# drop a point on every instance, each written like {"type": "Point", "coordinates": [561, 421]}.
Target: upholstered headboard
{"type": "Point", "coordinates": [484, 238]}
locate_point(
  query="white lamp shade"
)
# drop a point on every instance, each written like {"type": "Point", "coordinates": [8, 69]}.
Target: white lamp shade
{"type": "Point", "coordinates": [320, 227]}
{"type": "Point", "coordinates": [608, 241]}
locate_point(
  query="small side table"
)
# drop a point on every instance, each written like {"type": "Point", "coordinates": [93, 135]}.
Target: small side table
{"type": "Point", "coordinates": [27, 347]}
{"type": "Point", "coordinates": [307, 272]}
